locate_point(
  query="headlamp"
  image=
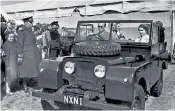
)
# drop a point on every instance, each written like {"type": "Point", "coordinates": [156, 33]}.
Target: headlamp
{"type": "Point", "coordinates": [69, 67]}
{"type": "Point", "coordinates": [99, 71]}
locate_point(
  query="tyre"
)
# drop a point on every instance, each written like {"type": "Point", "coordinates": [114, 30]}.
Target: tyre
{"type": "Point", "coordinates": [138, 102]}
{"type": "Point", "coordinates": [156, 89]}
{"type": "Point", "coordinates": [97, 48]}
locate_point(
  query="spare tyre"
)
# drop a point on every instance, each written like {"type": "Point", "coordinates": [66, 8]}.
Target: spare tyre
{"type": "Point", "coordinates": [97, 48]}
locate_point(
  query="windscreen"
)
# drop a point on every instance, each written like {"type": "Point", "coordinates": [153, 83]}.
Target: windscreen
{"type": "Point", "coordinates": [117, 32]}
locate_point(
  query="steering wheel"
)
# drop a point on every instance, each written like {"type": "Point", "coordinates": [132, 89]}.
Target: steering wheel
{"type": "Point", "coordinates": [97, 37]}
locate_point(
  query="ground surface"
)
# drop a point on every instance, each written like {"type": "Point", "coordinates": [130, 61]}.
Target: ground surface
{"type": "Point", "coordinates": [24, 101]}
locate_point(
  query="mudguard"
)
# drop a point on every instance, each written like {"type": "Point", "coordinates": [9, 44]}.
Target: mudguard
{"type": "Point", "coordinates": [115, 88]}
{"type": "Point", "coordinates": [49, 75]}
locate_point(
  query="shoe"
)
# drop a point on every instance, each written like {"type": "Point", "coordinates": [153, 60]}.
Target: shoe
{"type": "Point", "coordinates": [9, 93]}
{"type": "Point", "coordinates": [7, 89]}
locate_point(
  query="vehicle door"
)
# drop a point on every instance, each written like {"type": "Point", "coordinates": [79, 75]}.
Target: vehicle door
{"type": "Point", "coordinates": [155, 59]}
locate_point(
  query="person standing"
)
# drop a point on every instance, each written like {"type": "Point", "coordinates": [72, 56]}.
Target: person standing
{"type": "Point", "coordinates": [11, 66]}
{"type": "Point", "coordinates": [3, 39]}
{"type": "Point", "coordinates": [55, 45]}
{"type": "Point", "coordinates": [29, 56]}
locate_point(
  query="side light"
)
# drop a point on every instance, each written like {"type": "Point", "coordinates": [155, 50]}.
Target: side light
{"type": "Point", "coordinates": [125, 80]}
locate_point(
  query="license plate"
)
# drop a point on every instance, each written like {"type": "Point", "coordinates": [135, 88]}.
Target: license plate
{"type": "Point", "coordinates": [72, 100]}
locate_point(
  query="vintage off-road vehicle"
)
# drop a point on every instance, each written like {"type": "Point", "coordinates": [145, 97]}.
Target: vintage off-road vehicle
{"type": "Point", "coordinates": [105, 72]}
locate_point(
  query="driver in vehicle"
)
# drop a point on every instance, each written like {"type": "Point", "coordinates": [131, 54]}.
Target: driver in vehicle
{"type": "Point", "coordinates": [102, 34]}
{"type": "Point", "coordinates": [144, 33]}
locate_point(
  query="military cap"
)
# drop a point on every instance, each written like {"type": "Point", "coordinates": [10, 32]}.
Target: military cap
{"type": "Point", "coordinates": [26, 18]}
{"type": "Point", "coordinates": [54, 23]}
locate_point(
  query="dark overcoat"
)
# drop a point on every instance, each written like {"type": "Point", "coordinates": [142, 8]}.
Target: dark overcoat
{"type": "Point", "coordinates": [10, 61]}
{"type": "Point", "coordinates": [26, 46]}
{"type": "Point", "coordinates": [54, 43]}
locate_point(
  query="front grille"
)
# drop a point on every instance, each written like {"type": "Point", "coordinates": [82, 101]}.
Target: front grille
{"type": "Point", "coordinates": [85, 71]}
{"type": "Point", "coordinates": [85, 75]}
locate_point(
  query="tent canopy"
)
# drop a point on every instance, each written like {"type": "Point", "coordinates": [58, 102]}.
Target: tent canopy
{"type": "Point", "coordinates": [52, 5]}
{"type": "Point", "coordinates": [76, 4]}
{"type": "Point", "coordinates": [22, 7]}
{"type": "Point", "coordinates": [89, 7]}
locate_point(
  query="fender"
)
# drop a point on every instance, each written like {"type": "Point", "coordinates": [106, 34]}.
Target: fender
{"type": "Point", "coordinates": [115, 88]}
{"type": "Point", "coordinates": [50, 76]}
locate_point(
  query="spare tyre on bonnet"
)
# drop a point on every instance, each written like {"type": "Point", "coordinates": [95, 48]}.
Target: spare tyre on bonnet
{"type": "Point", "coordinates": [104, 71]}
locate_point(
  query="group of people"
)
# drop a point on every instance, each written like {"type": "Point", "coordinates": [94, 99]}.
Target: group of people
{"type": "Point", "coordinates": [48, 37]}
{"type": "Point", "coordinates": [22, 51]}
{"type": "Point", "coordinates": [117, 34]}
{"type": "Point", "coordinates": [22, 57]}
{"type": "Point", "coordinates": [52, 41]}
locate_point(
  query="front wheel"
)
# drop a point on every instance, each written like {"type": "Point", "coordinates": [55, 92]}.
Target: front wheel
{"type": "Point", "coordinates": [138, 102]}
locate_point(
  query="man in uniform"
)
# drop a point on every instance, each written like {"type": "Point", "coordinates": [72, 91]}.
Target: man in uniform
{"type": "Point", "coordinates": [55, 45]}
{"type": "Point", "coordinates": [28, 54]}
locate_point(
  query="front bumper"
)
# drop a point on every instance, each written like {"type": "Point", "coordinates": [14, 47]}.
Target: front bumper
{"type": "Point", "coordinates": [99, 104]}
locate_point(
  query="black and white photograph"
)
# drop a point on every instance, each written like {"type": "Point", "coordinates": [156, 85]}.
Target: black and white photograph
{"type": "Point", "coordinates": [87, 55]}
